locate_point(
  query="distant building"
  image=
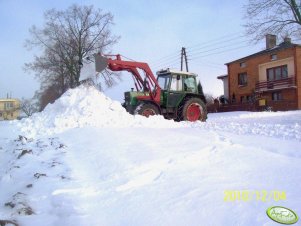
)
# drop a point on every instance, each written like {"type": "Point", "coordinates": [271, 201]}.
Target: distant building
{"type": "Point", "coordinates": [224, 78]}
{"type": "Point", "coordinates": [269, 78]}
{"type": "Point", "coordinates": [9, 109]}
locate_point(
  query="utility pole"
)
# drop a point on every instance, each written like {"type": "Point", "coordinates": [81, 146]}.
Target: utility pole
{"type": "Point", "coordinates": [183, 55]}
{"type": "Point", "coordinates": [182, 58]}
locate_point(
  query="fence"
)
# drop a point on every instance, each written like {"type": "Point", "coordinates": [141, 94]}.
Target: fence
{"type": "Point", "coordinates": [270, 105]}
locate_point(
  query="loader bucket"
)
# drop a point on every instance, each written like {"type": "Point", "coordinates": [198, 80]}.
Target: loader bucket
{"type": "Point", "coordinates": [100, 62]}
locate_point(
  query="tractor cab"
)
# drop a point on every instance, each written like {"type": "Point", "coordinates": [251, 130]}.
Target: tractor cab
{"type": "Point", "coordinates": [177, 80]}
{"type": "Point", "coordinates": [175, 86]}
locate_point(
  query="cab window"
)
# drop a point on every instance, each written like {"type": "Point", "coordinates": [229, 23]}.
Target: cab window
{"type": "Point", "coordinates": [176, 83]}
{"type": "Point", "coordinates": [163, 81]}
{"type": "Point", "coordinates": [190, 84]}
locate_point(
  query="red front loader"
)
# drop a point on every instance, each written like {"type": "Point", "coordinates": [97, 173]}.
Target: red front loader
{"type": "Point", "coordinates": [173, 94]}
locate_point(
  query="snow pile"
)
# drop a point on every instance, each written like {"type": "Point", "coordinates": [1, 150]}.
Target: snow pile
{"type": "Point", "coordinates": [86, 106]}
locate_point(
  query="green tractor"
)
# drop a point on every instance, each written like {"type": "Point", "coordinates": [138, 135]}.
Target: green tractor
{"type": "Point", "coordinates": [173, 94]}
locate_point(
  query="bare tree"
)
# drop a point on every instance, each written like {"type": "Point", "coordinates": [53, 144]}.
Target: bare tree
{"type": "Point", "coordinates": [281, 17]}
{"type": "Point", "coordinates": [209, 98]}
{"type": "Point", "coordinates": [48, 95]}
{"type": "Point", "coordinates": [201, 92]}
{"type": "Point", "coordinates": [29, 106]}
{"type": "Point", "coordinates": [66, 39]}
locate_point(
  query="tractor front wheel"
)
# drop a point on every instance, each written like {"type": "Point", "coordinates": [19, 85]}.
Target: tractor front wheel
{"type": "Point", "coordinates": [194, 109]}
{"type": "Point", "coordinates": [147, 109]}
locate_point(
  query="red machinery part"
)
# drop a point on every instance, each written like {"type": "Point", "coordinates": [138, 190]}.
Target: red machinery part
{"type": "Point", "coordinates": [115, 63]}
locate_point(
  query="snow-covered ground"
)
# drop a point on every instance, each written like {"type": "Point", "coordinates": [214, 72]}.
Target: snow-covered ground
{"type": "Point", "coordinates": [85, 161]}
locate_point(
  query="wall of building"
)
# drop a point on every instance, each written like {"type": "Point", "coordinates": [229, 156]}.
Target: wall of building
{"type": "Point", "coordinates": [9, 113]}
{"type": "Point", "coordinates": [275, 63]}
{"type": "Point", "coordinates": [226, 87]}
{"type": "Point", "coordinates": [288, 95]}
{"type": "Point", "coordinates": [287, 103]}
{"type": "Point", "coordinates": [255, 68]}
{"type": "Point", "coordinates": [298, 78]}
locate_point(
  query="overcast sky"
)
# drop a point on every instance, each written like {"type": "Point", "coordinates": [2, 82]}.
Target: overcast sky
{"type": "Point", "coordinates": [151, 31]}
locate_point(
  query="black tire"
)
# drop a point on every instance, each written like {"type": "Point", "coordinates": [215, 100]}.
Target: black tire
{"type": "Point", "coordinates": [194, 109]}
{"type": "Point", "coordinates": [147, 109]}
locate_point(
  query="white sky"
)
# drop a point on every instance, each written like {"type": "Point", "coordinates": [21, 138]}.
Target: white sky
{"type": "Point", "coordinates": [151, 31]}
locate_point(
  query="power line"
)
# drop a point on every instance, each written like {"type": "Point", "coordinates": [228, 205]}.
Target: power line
{"type": "Point", "coordinates": [214, 40]}
{"type": "Point", "coordinates": [176, 58]}
{"type": "Point", "coordinates": [196, 47]}
{"type": "Point", "coordinates": [209, 64]}
{"type": "Point", "coordinates": [198, 55]}
{"type": "Point", "coordinates": [225, 38]}
{"type": "Point", "coordinates": [201, 50]}
{"type": "Point", "coordinates": [169, 65]}
{"type": "Point", "coordinates": [217, 48]}
{"type": "Point", "coordinates": [205, 46]}
{"type": "Point", "coordinates": [174, 65]}
{"type": "Point", "coordinates": [228, 50]}
{"type": "Point", "coordinates": [165, 57]}
{"type": "Point", "coordinates": [216, 65]}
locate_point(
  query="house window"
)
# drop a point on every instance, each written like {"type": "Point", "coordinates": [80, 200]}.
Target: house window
{"type": "Point", "coordinates": [277, 73]}
{"type": "Point", "coordinates": [242, 64]}
{"type": "Point", "coordinates": [274, 57]}
{"type": "Point", "coordinates": [8, 105]}
{"type": "Point", "coordinates": [242, 79]}
{"type": "Point", "coordinates": [276, 96]}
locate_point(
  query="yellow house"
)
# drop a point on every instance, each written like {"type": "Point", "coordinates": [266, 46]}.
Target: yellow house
{"type": "Point", "coordinates": [9, 109]}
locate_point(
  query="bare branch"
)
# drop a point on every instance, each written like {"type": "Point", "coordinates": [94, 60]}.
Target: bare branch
{"type": "Point", "coordinates": [279, 17]}
{"type": "Point", "coordinates": [65, 39]}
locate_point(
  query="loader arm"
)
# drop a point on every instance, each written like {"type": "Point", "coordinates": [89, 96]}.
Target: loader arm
{"type": "Point", "coordinates": [115, 63]}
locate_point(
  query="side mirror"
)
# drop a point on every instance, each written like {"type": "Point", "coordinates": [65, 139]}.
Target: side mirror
{"type": "Point", "coordinates": [178, 77]}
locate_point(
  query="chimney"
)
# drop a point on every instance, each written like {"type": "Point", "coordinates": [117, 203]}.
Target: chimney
{"type": "Point", "coordinates": [287, 40]}
{"type": "Point", "coordinates": [270, 41]}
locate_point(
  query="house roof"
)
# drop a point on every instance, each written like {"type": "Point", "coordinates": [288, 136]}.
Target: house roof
{"type": "Point", "coordinates": [8, 100]}
{"type": "Point", "coordinates": [222, 76]}
{"type": "Point", "coordinates": [281, 46]}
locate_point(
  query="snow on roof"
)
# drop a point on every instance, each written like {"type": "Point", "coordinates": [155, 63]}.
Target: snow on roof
{"type": "Point", "coordinates": [168, 70]}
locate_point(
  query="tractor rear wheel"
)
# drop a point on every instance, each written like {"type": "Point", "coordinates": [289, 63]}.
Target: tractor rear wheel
{"type": "Point", "coordinates": [147, 109]}
{"type": "Point", "coordinates": [194, 109]}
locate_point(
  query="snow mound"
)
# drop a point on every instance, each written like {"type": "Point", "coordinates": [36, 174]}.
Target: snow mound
{"type": "Point", "coordinates": [284, 125]}
{"type": "Point", "coordinates": [86, 106]}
